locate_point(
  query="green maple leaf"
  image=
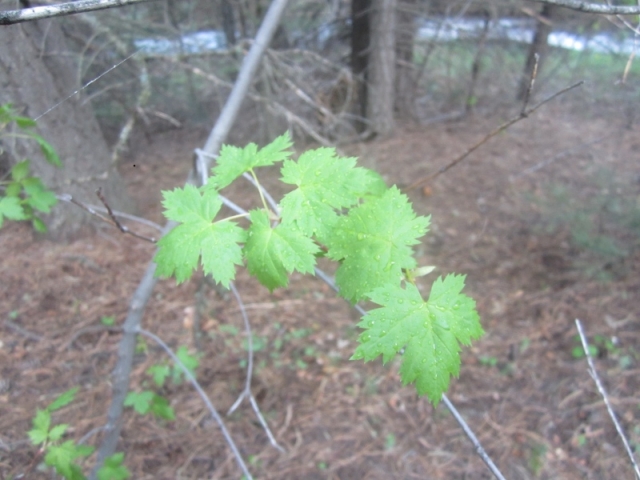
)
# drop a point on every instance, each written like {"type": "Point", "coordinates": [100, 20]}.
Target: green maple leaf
{"type": "Point", "coordinates": [41, 424]}
{"type": "Point", "coordinates": [234, 161]}
{"type": "Point", "coordinates": [273, 253]}
{"type": "Point", "coordinates": [10, 207]}
{"type": "Point", "coordinates": [20, 170]}
{"type": "Point", "coordinates": [160, 407]}
{"type": "Point", "coordinates": [112, 469]}
{"type": "Point", "coordinates": [63, 399]}
{"type": "Point", "coordinates": [373, 242]}
{"type": "Point", "coordinates": [217, 244]}
{"type": "Point", "coordinates": [431, 332]}
{"type": "Point", "coordinates": [325, 183]}
{"type": "Point", "coordinates": [159, 373]}
{"type": "Point", "coordinates": [139, 401]}
{"type": "Point", "coordinates": [38, 196]}
{"type": "Point", "coordinates": [191, 362]}
{"type": "Point", "coordinates": [62, 456]}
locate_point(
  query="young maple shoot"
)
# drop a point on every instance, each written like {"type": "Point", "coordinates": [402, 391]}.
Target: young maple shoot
{"type": "Point", "coordinates": [22, 195]}
{"type": "Point", "coordinates": [348, 214]}
{"type": "Point", "coordinates": [62, 456]}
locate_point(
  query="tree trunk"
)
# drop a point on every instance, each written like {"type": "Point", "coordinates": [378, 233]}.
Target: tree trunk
{"type": "Point", "coordinates": [228, 22]}
{"type": "Point", "coordinates": [382, 67]}
{"type": "Point", "coordinates": [35, 74]}
{"type": "Point", "coordinates": [405, 72]}
{"type": "Point", "coordinates": [360, 40]}
{"type": "Point", "coordinates": [539, 46]}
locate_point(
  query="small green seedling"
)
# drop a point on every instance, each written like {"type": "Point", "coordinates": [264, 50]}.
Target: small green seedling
{"type": "Point", "coordinates": [23, 195]}
{"type": "Point", "coordinates": [109, 321]}
{"type": "Point", "coordinates": [63, 455]}
{"type": "Point", "coordinates": [149, 402]}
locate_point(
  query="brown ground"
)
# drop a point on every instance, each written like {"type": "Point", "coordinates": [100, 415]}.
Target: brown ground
{"type": "Point", "coordinates": [533, 406]}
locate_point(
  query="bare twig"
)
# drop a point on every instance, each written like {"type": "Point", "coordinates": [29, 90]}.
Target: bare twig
{"type": "Point", "coordinates": [489, 136]}
{"type": "Point", "coordinates": [246, 392]}
{"type": "Point", "coordinates": [48, 11]}
{"type": "Point", "coordinates": [112, 220]}
{"type": "Point", "coordinates": [94, 209]}
{"type": "Point", "coordinates": [605, 397]}
{"type": "Point", "coordinates": [273, 106]}
{"type": "Point", "coordinates": [589, 7]}
{"type": "Point", "coordinates": [122, 228]}
{"type": "Point", "coordinates": [532, 80]}
{"type": "Point", "coordinates": [214, 413]}
{"type": "Point", "coordinates": [471, 436]}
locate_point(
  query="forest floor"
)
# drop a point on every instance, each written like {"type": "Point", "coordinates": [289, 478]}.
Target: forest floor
{"type": "Point", "coordinates": [522, 390]}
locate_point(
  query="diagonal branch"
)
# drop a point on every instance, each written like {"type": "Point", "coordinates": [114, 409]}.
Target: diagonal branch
{"type": "Point", "coordinates": [605, 397]}
{"type": "Point", "coordinates": [203, 396]}
{"type": "Point", "coordinates": [10, 17]}
{"type": "Point", "coordinates": [523, 114]}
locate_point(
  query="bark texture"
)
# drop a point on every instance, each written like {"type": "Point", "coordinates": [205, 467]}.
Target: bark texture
{"type": "Point", "coordinates": [360, 39]}
{"type": "Point", "coordinates": [382, 67]}
{"type": "Point", "coordinates": [36, 72]}
{"type": "Point", "coordinates": [539, 46]}
{"type": "Point", "coordinates": [405, 73]}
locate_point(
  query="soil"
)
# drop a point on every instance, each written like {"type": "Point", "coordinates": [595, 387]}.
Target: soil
{"type": "Point", "coordinates": [531, 403]}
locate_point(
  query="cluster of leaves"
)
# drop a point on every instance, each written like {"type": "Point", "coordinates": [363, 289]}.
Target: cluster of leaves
{"type": "Point", "coordinates": [147, 401]}
{"type": "Point", "coordinates": [347, 214]}
{"type": "Point", "coordinates": [62, 455]}
{"type": "Point", "coordinates": [23, 194]}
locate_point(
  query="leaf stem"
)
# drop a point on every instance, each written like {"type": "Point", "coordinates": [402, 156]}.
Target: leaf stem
{"type": "Point", "coordinates": [259, 187]}
{"type": "Point", "coordinates": [233, 217]}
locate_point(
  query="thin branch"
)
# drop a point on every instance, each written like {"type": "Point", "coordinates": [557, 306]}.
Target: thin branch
{"type": "Point", "coordinates": [11, 17]}
{"type": "Point", "coordinates": [489, 136]}
{"type": "Point", "coordinates": [214, 413]}
{"type": "Point", "coordinates": [532, 80]}
{"type": "Point", "coordinates": [246, 392]}
{"type": "Point", "coordinates": [605, 397]}
{"type": "Point", "coordinates": [94, 209]}
{"type": "Point", "coordinates": [471, 436]}
{"type": "Point", "coordinates": [589, 7]}
{"type": "Point", "coordinates": [112, 220]}
{"type": "Point", "coordinates": [273, 106]}
{"type": "Point", "coordinates": [121, 227]}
